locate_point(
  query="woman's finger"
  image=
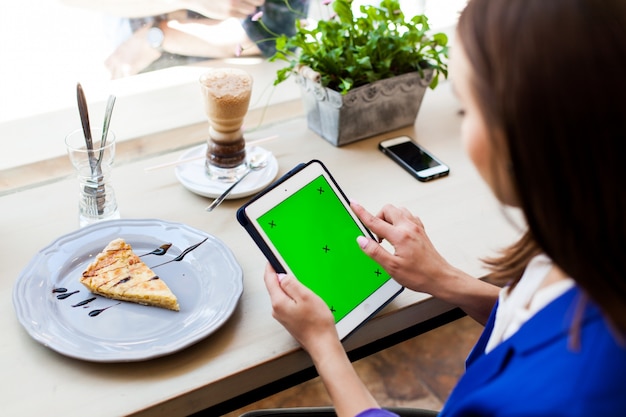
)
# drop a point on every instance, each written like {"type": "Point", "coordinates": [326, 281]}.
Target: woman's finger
{"type": "Point", "coordinates": [376, 224]}
{"type": "Point", "coordinates": [272, 283]}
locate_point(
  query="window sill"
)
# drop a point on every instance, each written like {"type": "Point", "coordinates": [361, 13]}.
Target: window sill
{"type": "Point", "coordinates": [146, 104]}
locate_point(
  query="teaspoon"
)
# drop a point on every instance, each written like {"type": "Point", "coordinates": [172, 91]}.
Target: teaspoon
{"type": "Point", "coordinates": [257, 162]}
{"type": "Point", "coordinates": [105, 127]}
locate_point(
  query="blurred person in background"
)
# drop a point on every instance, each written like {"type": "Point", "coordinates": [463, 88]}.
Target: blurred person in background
{"type": "Point", "coordinates": [154, 34]}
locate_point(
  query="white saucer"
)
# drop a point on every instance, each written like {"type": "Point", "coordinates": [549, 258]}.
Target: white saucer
{"type": "Point", "coordinates": [192, 175]}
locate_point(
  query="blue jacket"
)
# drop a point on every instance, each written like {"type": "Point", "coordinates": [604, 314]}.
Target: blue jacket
{"type": "Point", "coordinates": [538, 372]}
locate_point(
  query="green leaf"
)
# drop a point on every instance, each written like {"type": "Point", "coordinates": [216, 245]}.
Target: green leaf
{"type": "Point", "coordinates": [351, 50]}
{"type": "Point", "coordinates": [343, 8]}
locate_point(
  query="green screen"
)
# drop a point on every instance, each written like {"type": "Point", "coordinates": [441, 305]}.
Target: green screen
{"type": "Point", "coordinates": [316, 237]}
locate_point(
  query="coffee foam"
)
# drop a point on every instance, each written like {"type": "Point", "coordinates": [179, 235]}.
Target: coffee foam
{"type": "Point", "coordinates": [227, 82]}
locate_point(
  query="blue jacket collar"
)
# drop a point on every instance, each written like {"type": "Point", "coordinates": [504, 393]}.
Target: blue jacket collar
{"type": "Point", "coordinates": [552, 322]}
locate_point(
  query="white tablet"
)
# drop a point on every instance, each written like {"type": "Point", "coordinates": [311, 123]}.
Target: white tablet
{"type": "Point", "coordinates": [304, 226]}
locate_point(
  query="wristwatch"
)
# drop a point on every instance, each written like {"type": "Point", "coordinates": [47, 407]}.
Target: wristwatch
{"type": "Point", "coordinates": [155, 37]}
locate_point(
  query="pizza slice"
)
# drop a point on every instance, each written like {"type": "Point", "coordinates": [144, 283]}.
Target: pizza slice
{"type": "Point", "coordinates": [118, 273]}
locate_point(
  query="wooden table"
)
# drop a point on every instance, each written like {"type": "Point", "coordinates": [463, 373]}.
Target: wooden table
{"type": "Point", "coordinates": [251, 351]}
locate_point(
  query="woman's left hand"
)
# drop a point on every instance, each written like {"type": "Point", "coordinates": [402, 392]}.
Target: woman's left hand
{"type": "Point", "coordinates": [307, 317]}
{"type": "Point", "coordinates": [302, 312]}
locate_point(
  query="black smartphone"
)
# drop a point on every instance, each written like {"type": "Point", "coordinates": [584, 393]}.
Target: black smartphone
{"type": "Point", "coordinates": [416, 160]}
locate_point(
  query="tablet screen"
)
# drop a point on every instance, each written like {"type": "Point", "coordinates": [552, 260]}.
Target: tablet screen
{"type": "Point", "coordinates": [316, 237]}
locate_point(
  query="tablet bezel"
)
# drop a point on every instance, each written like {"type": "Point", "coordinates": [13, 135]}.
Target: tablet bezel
{"type": "Point", "coordinates": [282, 189]}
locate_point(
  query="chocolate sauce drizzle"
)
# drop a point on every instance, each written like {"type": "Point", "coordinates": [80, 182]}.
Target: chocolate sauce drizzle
{"type": "Point", "coordinates": [183, 254]}
{"type": "Point", "coordinates": [84, 302]}
{"type": "Point", "coordinates": [160, 251]}
{"type": "Point", "coordinates": [66, 295]}
{"type": "Point", "coordinates": [94, 313]}
{"type": "Point", "coordinates": [121, 281]}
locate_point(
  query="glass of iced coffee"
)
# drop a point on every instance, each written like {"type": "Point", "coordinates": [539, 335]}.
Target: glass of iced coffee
{"type": "Point", "coordinates": [226, 93]}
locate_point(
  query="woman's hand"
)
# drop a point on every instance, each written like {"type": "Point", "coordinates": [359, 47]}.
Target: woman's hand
{"type": "Point", "coordinates": [303, 313]}
{"type": "Point", "coordinates": [416, 264]}
{"type": "Point", "coordinates": [309, 320]}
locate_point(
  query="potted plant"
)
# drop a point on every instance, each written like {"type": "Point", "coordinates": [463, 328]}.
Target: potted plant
{"type": "Point", "coordinates": [362, 75]}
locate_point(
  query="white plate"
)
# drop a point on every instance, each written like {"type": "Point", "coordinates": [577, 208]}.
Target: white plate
{"type": "Point", "coordinates": [192, 175]}
{"type": "Point", "coordinates": [208, 283]}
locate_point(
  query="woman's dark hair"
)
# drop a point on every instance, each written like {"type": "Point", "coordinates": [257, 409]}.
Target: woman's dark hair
{"type": "Point", "coordinates": [550, 81]}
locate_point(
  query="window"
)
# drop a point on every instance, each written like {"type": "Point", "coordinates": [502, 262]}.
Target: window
{"type": "Point", "coordinates": [47, 47]}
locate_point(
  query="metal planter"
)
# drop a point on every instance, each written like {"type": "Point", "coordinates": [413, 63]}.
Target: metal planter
{"type": "Point", "coordinates": [365, 111]}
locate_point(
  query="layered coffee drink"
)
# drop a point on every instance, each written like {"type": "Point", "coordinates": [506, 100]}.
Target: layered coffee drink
{"type": "Point", "coordinates": [226, 93]}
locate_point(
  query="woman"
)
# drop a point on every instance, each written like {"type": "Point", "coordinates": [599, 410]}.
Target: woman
{"type": "Point", "coordinates": [544, 99]}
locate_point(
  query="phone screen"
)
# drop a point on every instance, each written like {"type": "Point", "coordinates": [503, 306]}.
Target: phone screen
{"type": "Point", "coordinates": [321, 250]}
{"type": "Point", "coordinates": [415, 157]}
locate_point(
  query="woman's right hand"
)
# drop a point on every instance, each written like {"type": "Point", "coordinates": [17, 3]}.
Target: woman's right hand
{"type": "Point", "coordinates": [415, 263]}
